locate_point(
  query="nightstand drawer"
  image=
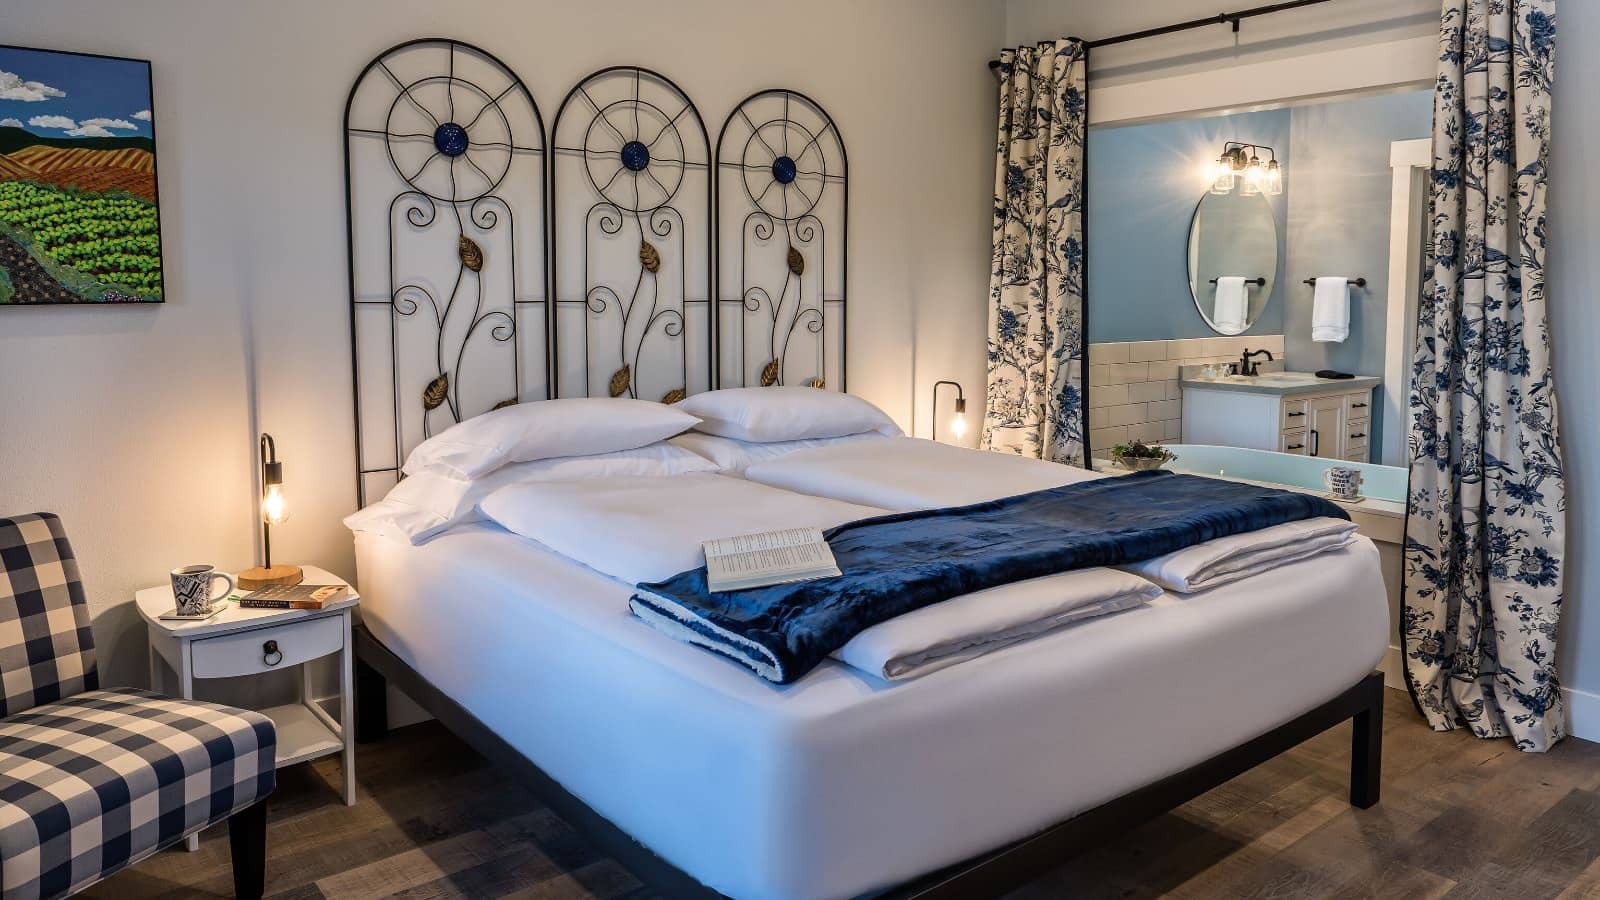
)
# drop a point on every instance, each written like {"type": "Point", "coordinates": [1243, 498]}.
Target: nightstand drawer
{"type": "Point", "coordinates": [249, 653]}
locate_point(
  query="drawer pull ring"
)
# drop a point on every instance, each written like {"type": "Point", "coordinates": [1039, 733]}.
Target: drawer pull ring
{"type": "Point", "coordinates": [270, 654]}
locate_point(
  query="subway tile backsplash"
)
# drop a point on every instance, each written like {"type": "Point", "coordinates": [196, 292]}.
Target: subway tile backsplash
{"type": "Point", "coordinates": [1133, 385]}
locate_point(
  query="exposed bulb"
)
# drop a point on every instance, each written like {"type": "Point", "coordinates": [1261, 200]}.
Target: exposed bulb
{"type": "Point", "coordinates": [1222, 176]}
{"type": "Point", "coordinates": [958, 425]}
{"type": "Point", "coordinates": [274, 507]}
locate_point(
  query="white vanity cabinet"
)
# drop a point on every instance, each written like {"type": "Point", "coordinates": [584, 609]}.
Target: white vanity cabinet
{"type": "Point", "coordinates": [1325, 417]}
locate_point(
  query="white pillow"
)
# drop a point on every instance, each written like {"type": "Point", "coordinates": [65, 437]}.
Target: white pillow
{"type": "Point", "coordinates": [545, 429]}
{"type": "Point", "coordinates": [733, 457]}
{"type": "Point", "coordinates": [767, 414]}
{"type": "Point", "coordinates": [421, 506]}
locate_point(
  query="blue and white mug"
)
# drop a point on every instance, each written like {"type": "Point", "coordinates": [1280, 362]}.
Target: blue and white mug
{"type": "Point", "coordinates": [1343, 482]}
{"type": "Point", "coordinates": [191, 588]}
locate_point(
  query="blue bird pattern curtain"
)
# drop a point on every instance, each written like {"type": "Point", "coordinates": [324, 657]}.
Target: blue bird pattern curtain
{"type": "Point", "coordinates": [1036, 286]}
{"type": "Point", "coordinates": [1483, 568]}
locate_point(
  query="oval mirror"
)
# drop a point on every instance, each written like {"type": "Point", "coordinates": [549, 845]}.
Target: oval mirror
{"type": "Point", "coordinates": [1233, 239]}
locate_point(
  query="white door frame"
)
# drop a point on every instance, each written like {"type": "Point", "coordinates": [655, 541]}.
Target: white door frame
{"type": "Point", "coordinates": [1409, 162]}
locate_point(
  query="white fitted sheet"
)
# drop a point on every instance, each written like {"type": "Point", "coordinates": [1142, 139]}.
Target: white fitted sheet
{"type": "Point", "coordinates": [843, 783]}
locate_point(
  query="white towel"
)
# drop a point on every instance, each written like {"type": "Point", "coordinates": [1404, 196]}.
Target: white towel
{"type": "Point", "coordinates": [1330, 309]}
{"type": "Point", "coordinates": [1237, 556]}
{"type": "Point", "coordinates": [1232, 305]}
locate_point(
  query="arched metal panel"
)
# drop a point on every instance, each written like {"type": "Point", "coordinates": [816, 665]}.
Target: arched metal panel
{"type": "Point", "coordinates": [445, 191]}
{"type": "Point", "coordinates": [631, 187]}
{"type": "Point", "coordinates": [783, 210]}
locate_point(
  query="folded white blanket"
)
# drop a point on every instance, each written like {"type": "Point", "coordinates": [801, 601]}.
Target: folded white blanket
{"type": "Point", "coordinates": [939, 636]}
{"type": "Point", "coordinates": [1229, 559]}
{"type": "Point", "coordinates": [641, 530]}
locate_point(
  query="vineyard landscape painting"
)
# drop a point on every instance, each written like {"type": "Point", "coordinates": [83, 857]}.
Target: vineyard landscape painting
{"type": "Point", "coordinates": [78, 215]}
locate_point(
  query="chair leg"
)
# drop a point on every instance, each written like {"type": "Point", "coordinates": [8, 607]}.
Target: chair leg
{"type": "Point", "coordinates": [247, 836]}
{"type": "Point", "coordinates": [1366, 748]}
{"type": "Point", "coordinates": [372, 704]}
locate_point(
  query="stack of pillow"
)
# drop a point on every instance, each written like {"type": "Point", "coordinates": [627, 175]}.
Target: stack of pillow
{"type": "Point", "coordinates": [448, 475]}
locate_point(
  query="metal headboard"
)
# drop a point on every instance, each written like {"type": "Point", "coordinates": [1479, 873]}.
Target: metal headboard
{"type": "Point", "coordinates": [631, 187]}
{"type": "Point", "coordinates": [445, 185]}
{"type": "Point", "coordinates": [783, 209]}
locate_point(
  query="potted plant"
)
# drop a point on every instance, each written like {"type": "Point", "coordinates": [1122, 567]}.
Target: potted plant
{"type": "Point", "coordinates": [1138, 456]}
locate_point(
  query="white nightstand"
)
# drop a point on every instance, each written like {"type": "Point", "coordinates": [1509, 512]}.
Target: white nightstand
{"type": "Point", "coordinates": [242, 642]}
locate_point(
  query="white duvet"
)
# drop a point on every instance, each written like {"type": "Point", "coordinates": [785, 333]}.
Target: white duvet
{"type": "Point", "coordinates": [640, 530]}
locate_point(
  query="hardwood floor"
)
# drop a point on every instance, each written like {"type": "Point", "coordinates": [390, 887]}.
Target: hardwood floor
{"type": "Point", "coordinates": [1460, 818]}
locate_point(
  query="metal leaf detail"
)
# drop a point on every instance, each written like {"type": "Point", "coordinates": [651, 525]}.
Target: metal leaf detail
{"type": "Point", "coordinates": [673, 396]}
{"type": "Point", "coordinates": [649, 258]}
{"type": "Point", "coordinates": [471, 253]}
{"type": "Point", "coordinates": [817, 383]}
{"type": "Point", "coordinates": [620, 382]}
{"type": "Point", "coordinates": [509, 401]}
{"type": "Point", "coordinates": [797, 263]}
{"type": "Point", "coordinates": [435, 392]}
{"type": "Point", "coordinates": [769, 374]}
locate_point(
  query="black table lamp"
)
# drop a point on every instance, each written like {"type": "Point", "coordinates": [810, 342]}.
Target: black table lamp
{"type": "Point", "coordinates": [958, 421]}
{"type": "Point", "coordinates": [274, 511]}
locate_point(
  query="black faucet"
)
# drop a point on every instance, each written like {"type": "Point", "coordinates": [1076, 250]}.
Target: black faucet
{"type": "Point", "coordinates": [1252, 369]}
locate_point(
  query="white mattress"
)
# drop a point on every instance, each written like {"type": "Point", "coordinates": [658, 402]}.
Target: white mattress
{"type": "Point", "coordinates": [841, 784]}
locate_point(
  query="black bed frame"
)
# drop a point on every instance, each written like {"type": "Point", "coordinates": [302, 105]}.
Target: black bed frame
{"type": "Point", "coordinates": [988, 875]}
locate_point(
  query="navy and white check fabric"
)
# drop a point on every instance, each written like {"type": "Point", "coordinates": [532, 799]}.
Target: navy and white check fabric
{"type": "Point", "coordinates": [46, 648]}
{"type": "Point", "coordinates": [103, 779]}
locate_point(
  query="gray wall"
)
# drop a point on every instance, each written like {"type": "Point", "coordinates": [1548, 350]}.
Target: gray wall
{"type": "Point", "coordinates": [1144, 182]}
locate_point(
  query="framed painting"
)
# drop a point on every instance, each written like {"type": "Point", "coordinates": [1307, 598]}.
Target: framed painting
{"type": "Point", "coordinates": [79, 220]}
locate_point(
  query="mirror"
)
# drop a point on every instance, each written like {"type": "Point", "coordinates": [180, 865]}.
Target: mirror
{"type": "Point", "coordinates": [1232, 235]}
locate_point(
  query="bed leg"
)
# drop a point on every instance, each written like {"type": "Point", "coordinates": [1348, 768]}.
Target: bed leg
{"type": "Point", "coordinates": [372, 703]}
{"type": "Point", "coordinates": [1366, 746]}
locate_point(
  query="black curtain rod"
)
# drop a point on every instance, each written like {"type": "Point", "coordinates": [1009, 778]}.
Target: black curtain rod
{"type": "Point", "coordinates": [1233, 18]}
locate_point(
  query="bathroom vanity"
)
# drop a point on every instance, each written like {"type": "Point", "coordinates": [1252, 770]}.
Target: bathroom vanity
{"type": "Point", "coordinates": [1291, 412]}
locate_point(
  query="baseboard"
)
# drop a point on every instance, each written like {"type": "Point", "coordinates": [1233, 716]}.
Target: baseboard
{"type": "Point", "coordinates": [1583, 714]}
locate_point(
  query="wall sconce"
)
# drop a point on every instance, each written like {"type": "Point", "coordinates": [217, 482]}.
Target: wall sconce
{"type": "Point", "coordinates": [958, 421]}
{"type": "Point", "coordinates": [274, 511]}
{"type": "Point", "coordinates": [1240, 165]}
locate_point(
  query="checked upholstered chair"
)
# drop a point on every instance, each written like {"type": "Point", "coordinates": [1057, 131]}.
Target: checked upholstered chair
{"type": "Point", "coordinates": [92, 781]}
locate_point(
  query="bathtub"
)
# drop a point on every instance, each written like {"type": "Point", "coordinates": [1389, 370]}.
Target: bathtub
{"type": "Point", "coordinates": [1386, 483]}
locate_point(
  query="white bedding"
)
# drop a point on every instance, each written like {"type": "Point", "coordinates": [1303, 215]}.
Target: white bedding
{"type": "Point", "coordinates": [640, 530]}
{"type": "Point", "coordinates": [911, 473]}
{"type": "Point", "coordinates": [842, 783]}
{"type": "Point", "coordinates": [1226, 560]}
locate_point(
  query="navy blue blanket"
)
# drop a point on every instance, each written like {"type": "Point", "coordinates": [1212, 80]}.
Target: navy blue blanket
{"type": "Point", "coordinates": [897, 563]}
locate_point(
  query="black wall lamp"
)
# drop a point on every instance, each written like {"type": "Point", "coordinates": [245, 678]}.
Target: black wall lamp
{"type": "Point", "coordinates": [958, 421]}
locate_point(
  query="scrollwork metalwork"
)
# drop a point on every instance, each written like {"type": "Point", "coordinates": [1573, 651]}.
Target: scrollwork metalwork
{"type": "Point", "coordinates": [452, 122]}
{"type": "Point", "coordinates": [629, 145]}
{"type": "Point", "coordinates": [780, 157]}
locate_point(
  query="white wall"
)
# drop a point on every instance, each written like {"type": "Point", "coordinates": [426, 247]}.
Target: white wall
{"type": "Point", "coordinates": [138, 425]}
{"type": "Point", "coordinates": [1316, 38]}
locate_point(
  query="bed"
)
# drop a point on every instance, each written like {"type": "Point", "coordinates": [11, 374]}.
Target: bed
{"type": "Point", "coordinates": [706, 781]}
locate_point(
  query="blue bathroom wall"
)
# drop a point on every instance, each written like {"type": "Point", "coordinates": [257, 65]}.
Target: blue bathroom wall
{"type": "Point", "coordinates": [1144, 183]}
{"type": "Point", "coordinates": [1339, 222]}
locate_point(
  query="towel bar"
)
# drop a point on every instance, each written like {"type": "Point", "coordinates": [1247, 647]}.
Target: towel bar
{"type": "Point", "coordinates": [1358, 282]}
{"type": "Point", "coordinates": [1258, 282]}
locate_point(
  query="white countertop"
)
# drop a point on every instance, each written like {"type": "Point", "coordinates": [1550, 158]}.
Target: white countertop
{"type": "Point", "coordinates": [1280, 383]}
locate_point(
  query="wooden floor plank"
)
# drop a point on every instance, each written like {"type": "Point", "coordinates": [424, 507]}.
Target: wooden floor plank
{"type": "Point", "coordinates": [1460, 818]}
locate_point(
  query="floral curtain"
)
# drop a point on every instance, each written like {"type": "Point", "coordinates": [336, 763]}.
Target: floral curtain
{"type": "Point", "coordinates": [1483, 568]}
{"type": "Point", "coordinates": [1036, 286]}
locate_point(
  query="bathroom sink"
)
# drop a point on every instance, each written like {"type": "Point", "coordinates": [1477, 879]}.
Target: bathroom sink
{"type": "Point", "coordinates": [1284, 379]}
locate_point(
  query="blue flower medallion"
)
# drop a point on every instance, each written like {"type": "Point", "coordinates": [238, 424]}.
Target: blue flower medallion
{"type": "Point", "coordinates": [783, 170]}
{"type": "Point", "coordinates": [635, 156]}
{"type": "Point", "coordinates": [451, 139]}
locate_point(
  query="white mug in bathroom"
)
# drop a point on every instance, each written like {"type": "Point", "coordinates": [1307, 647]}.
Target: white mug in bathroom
{"type": "Point", "coordinates": [1343, 482]}
{"type": "Point", "coordinates": [191, 589]}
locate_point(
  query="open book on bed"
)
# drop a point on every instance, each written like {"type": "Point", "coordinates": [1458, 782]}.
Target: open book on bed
{"type": "Point", "coordinates": [769, 557]}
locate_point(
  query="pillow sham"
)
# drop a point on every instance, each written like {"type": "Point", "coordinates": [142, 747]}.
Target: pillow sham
{"type": "Point", "coordinates": [733, 457]}
{"type": "Point", "coordinates": [421, 506]}
{"type": "Point", "coordinates": [545, 429]}
{"type": "Point", "coordinates": [767, 414]}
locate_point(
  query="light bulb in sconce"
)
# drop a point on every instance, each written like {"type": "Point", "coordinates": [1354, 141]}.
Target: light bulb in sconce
{"type": "Point", "coordinates": [1252, 178]}
{"type": "Point", "coordinates": [958, 422]}
{"type": "Point", "coordinates": [1222, 176]}
{"type": "Point", "coordinates": [274, 507]}
{"type": "Point", "coordinates": [1272, 180]}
